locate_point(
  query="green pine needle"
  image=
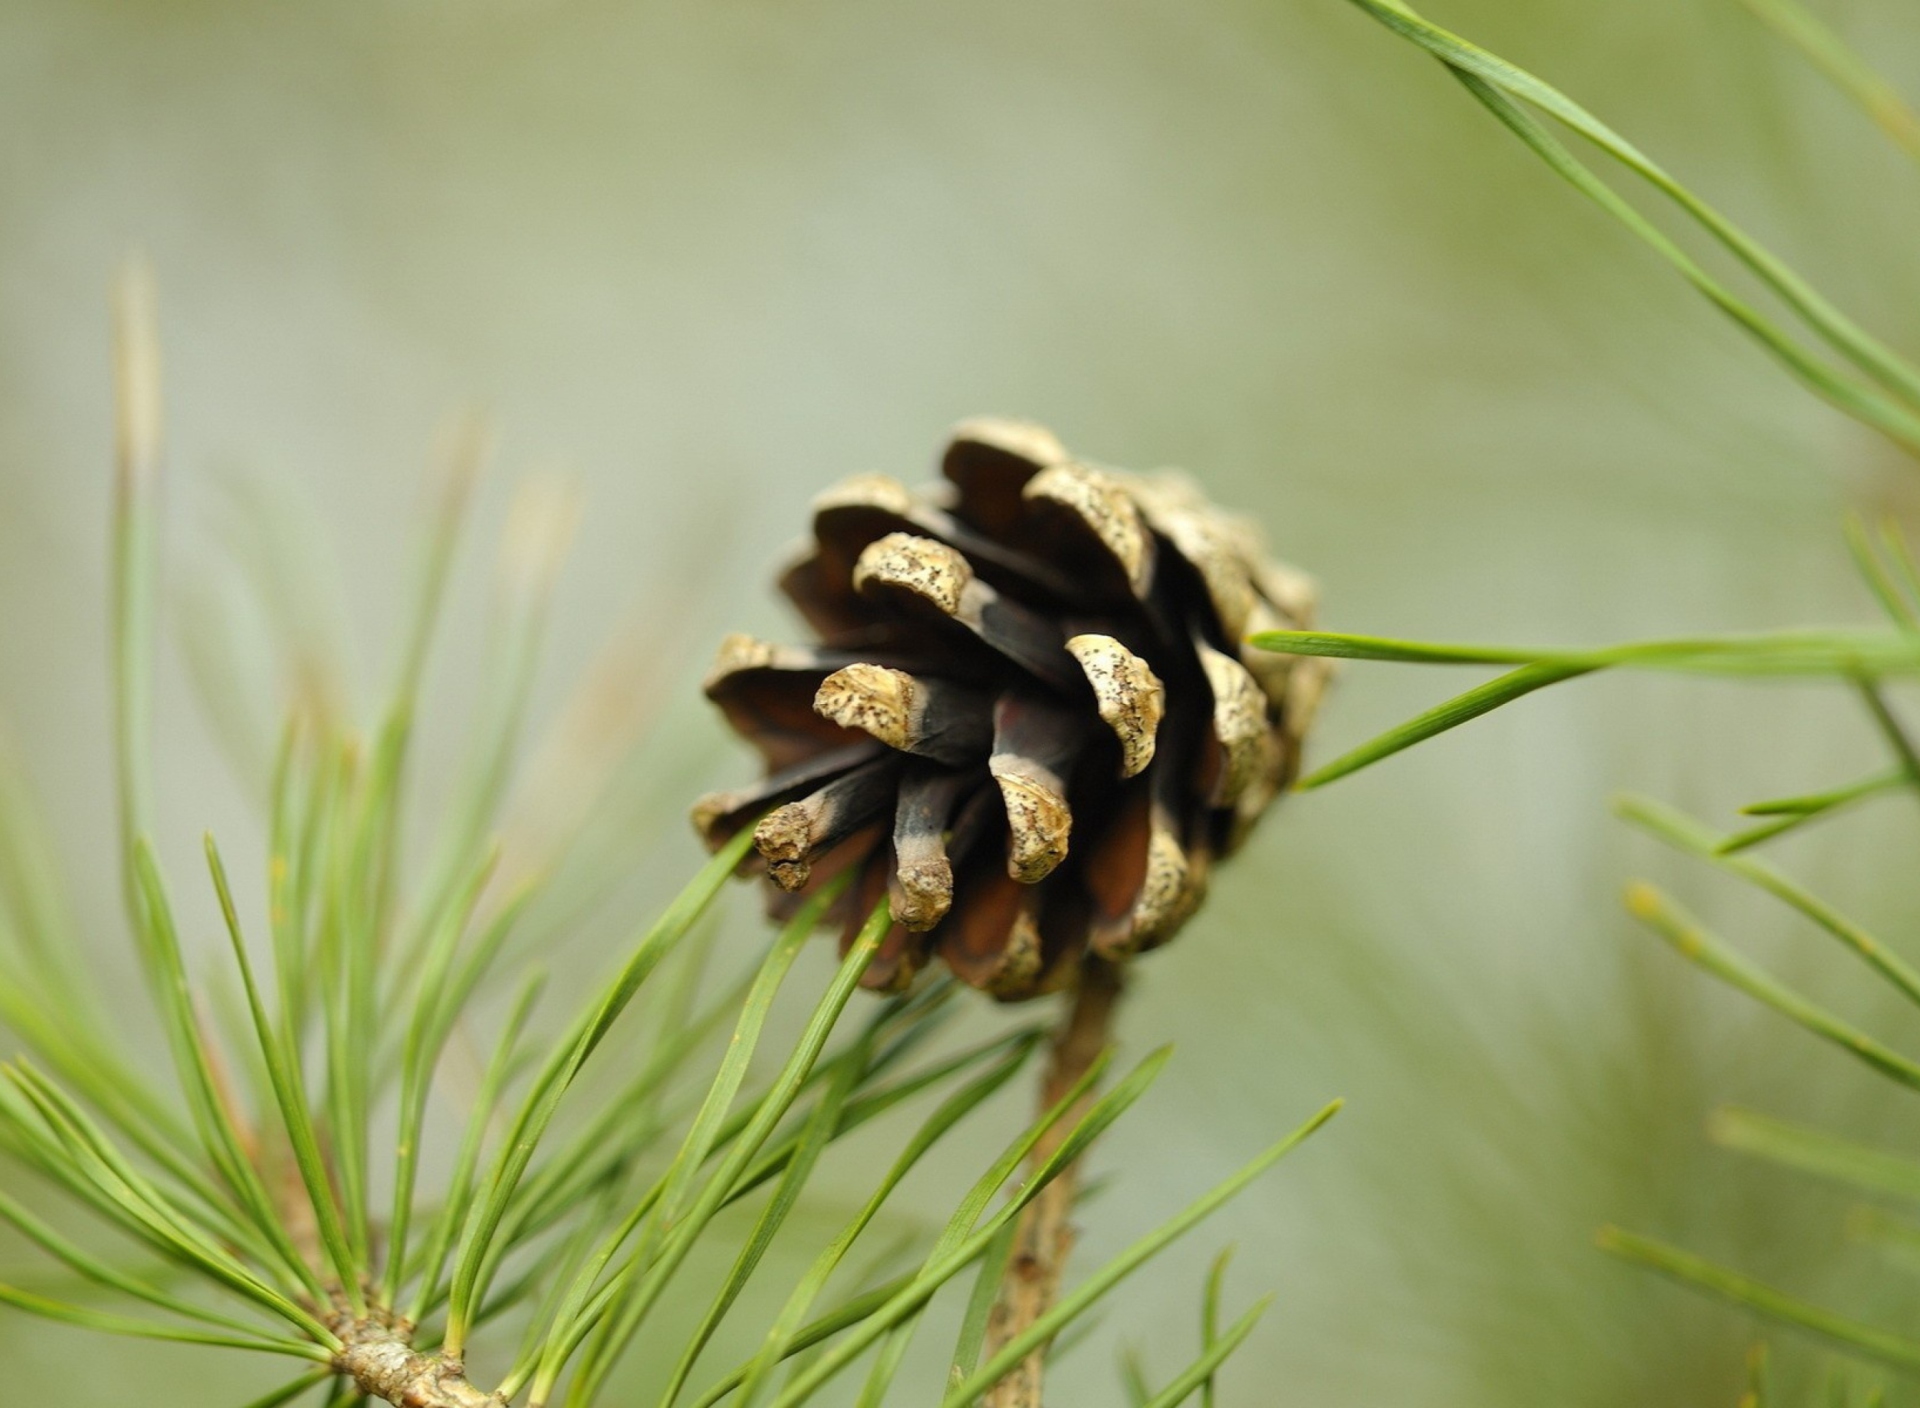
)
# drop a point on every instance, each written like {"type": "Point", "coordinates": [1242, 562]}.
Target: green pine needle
{"type": "Point", "coordinates": [1686, 834]}
{"type": "Point", "coordinates": [1849, 1335]}
{"type": "Point", "coordinates": [1887, 400]}
{"type": "Point", "coordinates": [1084, 1296]}
{"type": "Point", "coordinates": [1855, 654]}
{"type": "Point", "coordinates": [1831, 54]}
{"type": "Point", "coordinates": [1698, 946]}
{"type": "Point", "coordinates": [358, 1010]}
{"type": "Point", "coordinates": [1200, 1373]}
{"type": "Point", "coordinates": [1815, 1151]}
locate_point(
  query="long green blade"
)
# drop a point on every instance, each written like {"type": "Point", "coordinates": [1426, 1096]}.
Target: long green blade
{"type": "Point", "coordinates": [1848, 1334]}
{"type": "Point", "coordinates": [1462, 708]}
{"type": "Point", "coordinates": [104, 1323]}
{"type": "Point", "coordinates": [1681, 831]}
{"type": "Point", "coordinates": [958, 1248]}
{"type": "Point", "coordinates": [1210, 1318]}
{"type": "Point", "coordinates": [818, 1132]}
{"type": "Point", "coordinates": [1089, 1293]}
{"type": "Point", "coordinates": [1496, 75]}
{"type": "Point", "coordinates": [1853, 651]}
{"type": "Point", "coordinates": [637, 1299]}
{"type": "Point", "coordinates": [785, 1335]}
{"type": "Point", "coordinates": [1695, 944]}
{"type": "Point", "coordinates": [289, 1089]}
{"type": "Point", "coordinates": [1815, 1151]}
{"type": "Point", "coordinates": [543, 1101]}
{"type": "Point", "coordinates": [1199, 1374]}
{"type": "Point", "coordinates": [1850, 73]}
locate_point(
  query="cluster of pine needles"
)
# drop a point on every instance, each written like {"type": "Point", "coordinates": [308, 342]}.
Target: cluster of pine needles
{"type": "Point", "coordinates": [281, 1186]}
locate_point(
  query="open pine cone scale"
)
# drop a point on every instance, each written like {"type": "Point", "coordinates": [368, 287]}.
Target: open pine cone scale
{"type": "Point", "coordinates": [1031, 721]}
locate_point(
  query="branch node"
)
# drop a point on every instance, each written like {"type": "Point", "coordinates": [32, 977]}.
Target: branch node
{"type": "Point", "coordinates": [378, 1355]}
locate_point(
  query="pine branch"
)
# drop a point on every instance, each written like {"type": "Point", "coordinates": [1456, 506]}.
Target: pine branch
{"type": "Point", "coordinates": [1030, 1281]}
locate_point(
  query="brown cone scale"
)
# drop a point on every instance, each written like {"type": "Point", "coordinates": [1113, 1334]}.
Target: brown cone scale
{"type": "Point", "coordinates": [1032, 720]}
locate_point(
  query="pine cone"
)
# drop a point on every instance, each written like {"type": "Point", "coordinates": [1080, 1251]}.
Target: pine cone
{"type": "Point", "coordinates": [1031, 720]}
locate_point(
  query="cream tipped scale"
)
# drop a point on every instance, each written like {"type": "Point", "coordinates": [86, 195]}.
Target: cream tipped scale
{"type": "Point", "coordinates": [1031, 718]}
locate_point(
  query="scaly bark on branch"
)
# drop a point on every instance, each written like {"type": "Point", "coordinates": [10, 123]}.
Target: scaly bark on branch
{"type": "Point", "coordinates": [382, 1364]}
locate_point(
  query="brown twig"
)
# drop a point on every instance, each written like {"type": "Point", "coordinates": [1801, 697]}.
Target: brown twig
{"type": "Point", "coordinates": [377, 1356]}
{"type": "Point", "coordinates": [1045, 1237]}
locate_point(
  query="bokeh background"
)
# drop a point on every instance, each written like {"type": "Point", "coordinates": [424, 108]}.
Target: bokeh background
{"type": "Point", "coordinates": [705, 257]}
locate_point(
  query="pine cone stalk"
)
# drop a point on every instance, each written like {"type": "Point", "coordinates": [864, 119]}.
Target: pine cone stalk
{"type": "Point", "coordinates": [1045, 1236]}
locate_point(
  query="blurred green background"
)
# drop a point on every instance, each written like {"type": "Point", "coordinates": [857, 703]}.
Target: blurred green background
{"type": "Point", "coordinates": [708, 257]}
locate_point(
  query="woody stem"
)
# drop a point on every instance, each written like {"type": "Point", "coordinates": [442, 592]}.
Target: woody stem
{"type": "Point", "coordinates": [382, 1364]}
{"type": "Point", "coordinates": [1045, 1236]}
